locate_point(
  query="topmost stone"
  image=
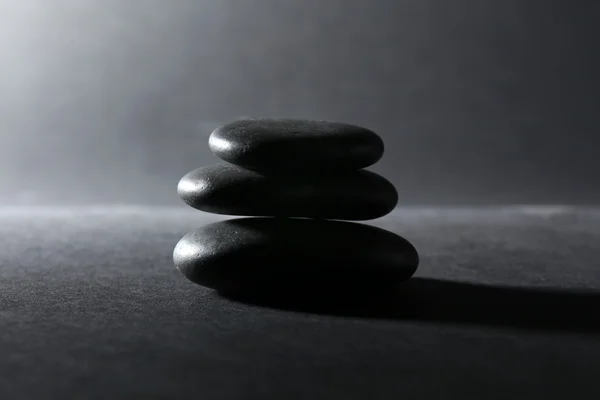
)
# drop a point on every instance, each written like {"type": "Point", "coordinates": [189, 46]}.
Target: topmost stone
{"type": "Point", "coordinates": [271, 145]}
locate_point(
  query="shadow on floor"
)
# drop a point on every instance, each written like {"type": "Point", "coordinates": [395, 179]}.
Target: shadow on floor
{"type": "Point", "coordinates": [425, 299]}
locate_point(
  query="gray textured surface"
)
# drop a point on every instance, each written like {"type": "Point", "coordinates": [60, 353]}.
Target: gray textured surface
{"type": "Point", "coordinates": [91, 306]}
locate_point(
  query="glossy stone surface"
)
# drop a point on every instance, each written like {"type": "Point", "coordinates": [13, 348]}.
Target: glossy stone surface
{"type": "Point", "coordinates": [246, 253]}
{"type": "Point", "coordinates": [231, 190]}
{"type": "Point", "coordinates": [274, 145]}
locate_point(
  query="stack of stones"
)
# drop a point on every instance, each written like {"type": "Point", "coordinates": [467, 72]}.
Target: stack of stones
{"type": "Point", "coordinates": [295, 181]}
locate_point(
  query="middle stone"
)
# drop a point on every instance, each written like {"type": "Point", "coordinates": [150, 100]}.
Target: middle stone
{"type": "Point", "coordinates": [231, 190]}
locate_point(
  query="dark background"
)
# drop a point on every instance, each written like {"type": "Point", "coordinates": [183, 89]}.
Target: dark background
{"type": "Point", "coordinates": [478, 101]}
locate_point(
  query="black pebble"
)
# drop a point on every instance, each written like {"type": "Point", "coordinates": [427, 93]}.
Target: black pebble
{"type": "Point", "coordinates": [231, 190]}
{"type": "Point", "coordinates": [285, 145]}
{"type": "Point", "coordinates": [273, 253]}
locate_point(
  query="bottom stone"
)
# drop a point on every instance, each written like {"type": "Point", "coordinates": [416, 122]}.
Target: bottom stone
{"type": "Point", "coordinates": [280, 253]}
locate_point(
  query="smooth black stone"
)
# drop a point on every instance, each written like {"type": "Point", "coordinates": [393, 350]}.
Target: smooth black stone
{"type": "Point", "coordinates": [231, 190]}
{"type": "Point", "coordinates": [275, 145]}
{"type": "Point", "coordinates": [279, 253]}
